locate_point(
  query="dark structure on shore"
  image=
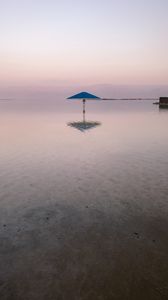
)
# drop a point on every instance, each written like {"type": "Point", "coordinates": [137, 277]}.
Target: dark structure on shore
{"type": "Point", "coordinates": [163, 102]}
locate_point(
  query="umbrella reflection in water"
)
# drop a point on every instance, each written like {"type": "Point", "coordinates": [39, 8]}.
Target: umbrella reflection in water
{"type": "Point", "coordinates": [84, 125]}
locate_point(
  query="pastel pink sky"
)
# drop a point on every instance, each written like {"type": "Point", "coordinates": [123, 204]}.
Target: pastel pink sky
{"type": "Point", "coordinates": [83, 42]}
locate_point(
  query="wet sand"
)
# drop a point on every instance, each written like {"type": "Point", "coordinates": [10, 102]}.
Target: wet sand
{"type": "Point", "coordinates": [60, 252]}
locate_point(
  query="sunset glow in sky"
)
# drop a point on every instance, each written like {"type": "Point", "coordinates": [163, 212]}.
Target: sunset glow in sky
{"type": "Point", "coordinates": [85, 42]}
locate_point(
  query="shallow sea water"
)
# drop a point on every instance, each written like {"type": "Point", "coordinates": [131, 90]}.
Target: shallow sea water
{"type": "Point", "coordinates": [83, 214]}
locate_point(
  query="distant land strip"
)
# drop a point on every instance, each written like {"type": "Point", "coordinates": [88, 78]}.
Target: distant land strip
{"type": "Point", "coordinates": [133, 99]}
{"type": "Point", "coordinates": [5, 99]}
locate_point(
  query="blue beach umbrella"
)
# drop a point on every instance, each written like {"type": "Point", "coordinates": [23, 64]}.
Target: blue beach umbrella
{"type": "Point", "coordinates": [84, 96]}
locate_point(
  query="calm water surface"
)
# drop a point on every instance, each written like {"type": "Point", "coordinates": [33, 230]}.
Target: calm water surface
{"type": "Point", "coordinates": [83, 214]}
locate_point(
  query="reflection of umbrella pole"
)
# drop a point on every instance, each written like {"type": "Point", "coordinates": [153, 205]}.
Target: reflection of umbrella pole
{"type": "Point", "coordinates": [84, 110]}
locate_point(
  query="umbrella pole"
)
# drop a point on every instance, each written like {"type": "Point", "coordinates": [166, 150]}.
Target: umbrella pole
{"type": "Point", "coordinates": [84, 110]}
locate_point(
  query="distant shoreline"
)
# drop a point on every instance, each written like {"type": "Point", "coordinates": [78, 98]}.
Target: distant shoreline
{"type": "Point", "coordinates": [132, 99]}
{"type": "Point", "coordinates": [107, 99]}
{"type": "Point", "coordinates": [5, 99]}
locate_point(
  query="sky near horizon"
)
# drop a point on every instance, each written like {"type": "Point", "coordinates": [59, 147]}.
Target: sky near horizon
{"type": "Point", "coordinates": [84, 42]}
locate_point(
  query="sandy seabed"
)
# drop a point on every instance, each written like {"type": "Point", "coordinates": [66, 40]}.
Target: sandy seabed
{"type": "Point", "coordinates": [60, 252]}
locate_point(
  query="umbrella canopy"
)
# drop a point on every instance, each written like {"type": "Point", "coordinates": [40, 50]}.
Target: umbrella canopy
{"type": "Point", "coordinates": [84, 95]}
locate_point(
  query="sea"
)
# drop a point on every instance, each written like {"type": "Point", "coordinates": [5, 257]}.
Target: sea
{"type": "Point", "coordinates": [83, 200]}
